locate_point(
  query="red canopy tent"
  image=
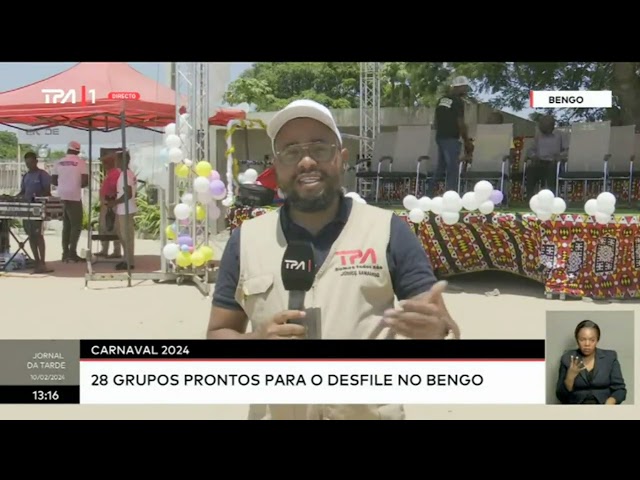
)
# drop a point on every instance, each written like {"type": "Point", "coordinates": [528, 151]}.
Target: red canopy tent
{"type": "Point", "coordinates": [94, 97]}
{"type": "Point", "coordinates": [223, 116]}
{"type": "Point", "coordinates": [101, 109]}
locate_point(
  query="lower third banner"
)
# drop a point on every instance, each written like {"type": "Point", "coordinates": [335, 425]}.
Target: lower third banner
{"type": "Point", "coordinates": [399, 372]}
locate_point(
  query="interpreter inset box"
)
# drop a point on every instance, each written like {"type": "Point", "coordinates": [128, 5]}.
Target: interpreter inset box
{"type": "Point", "coordinates": [590, 358]}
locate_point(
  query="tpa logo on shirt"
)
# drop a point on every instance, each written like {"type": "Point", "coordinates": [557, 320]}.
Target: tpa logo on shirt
{"type": "Point", "coordinates": [358, 262]}
{"type": "Point", "coordinates": [351, 257]}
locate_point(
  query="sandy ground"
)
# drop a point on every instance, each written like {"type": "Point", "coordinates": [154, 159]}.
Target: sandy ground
{"type": "Point", "coordinates": [58, 306]}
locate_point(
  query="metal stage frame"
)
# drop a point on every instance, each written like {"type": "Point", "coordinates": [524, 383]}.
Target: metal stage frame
{"type": "Point", "coordinates": [191, 84]}
{"type": "Point", "coordinates": [369, 107]}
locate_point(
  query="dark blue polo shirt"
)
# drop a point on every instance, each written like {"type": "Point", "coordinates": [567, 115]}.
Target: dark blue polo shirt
{"type": "Point", "coordinates": [409, 265]}
{"type": "Point", "coordinates": [35, 184]}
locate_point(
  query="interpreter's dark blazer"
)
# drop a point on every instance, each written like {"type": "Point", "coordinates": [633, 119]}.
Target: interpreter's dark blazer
{"type": "Point", "coordinates": [605, 380]}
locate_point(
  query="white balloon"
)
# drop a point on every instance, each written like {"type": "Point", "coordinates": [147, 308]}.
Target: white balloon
{"type": "Point", "coordinates": [410, 202]}
{"type": "Point", "coordinates": [201, 184]}
{"type": "Point", "coordinates": [424, 204]}
{"type": "Point", "coordinates": [172, 141]}
{"type": "Point", "coordinates": [187, 198]}
{"type": "Point", "coordinates": [241, 178]}
{"type": "Point", "coordinates": [204, 197]}
{"type": "Point", "coordinates": [602, 218]}
{"type": "Point", "coordinates": [175, 155]}
{"type": "Point", "coordinates": [483, 190]}
{"type": "Point", "coordinates": [534, 204]}
{"type": "Point", "coordinates": [470, 202]}
{"type": "Point", "coordinates": [170, 251]}
{"type": "Point", "coordinates": [451, 202]}
{"type": "Point", "coordinates": [606, 198]}
{"type": "Point", "coordinates": [486, 207]}
{"type": "Point", "coordinates": [591, 207]}
{"type": "Point", "coordinates": [227, 202]}
{"type": "Point", "coordinates": [436, 205]}
{"type": "Point", "coordinates": [187, 162]}
{"type": "Point", "coordinates": [450, 218]}
{"type": "Point", "coordinates": [606, 202]}
{"type": "Point", "coordinates": [250, 176]}
{"type": "Point", "coordinates": [214, 212]}
{"type": "Point", "coordinates": [545, 199]}
{"type": "Point", "coordinates": [416, 215]}
{"type": "Point", "coordinates": [544, 215]}
{"type": "Point", "coordinates": [170, 129]}
{"type": "Point", "coordinates": [182, 211]}
{"type": "Point", "coordinates": [558, 206]}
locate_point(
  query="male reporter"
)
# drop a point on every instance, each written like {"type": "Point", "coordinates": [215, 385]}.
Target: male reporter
{"type": "Point", "coordinates": [309, 163]}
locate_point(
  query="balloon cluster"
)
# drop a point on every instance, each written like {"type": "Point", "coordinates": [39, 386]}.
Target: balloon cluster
{"type": "Point", "coordinates": [175, 137]}
{"type": "Point", "coordinates": [448, 206]}
{"type": "Point", "coordinates": [356, 197]}
{"type": "Point", "coordinates": [545, 204]}
{"type": "Point", "coordinates": [602, 208]}
{"type": "Point", "coordinates": [182, 251]}
{"type": "Point", "coordinates": [483, 198]}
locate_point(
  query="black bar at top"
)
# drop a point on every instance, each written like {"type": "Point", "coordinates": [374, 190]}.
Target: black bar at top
{"type": "Point", "coordinates": [20, 394]}
{"type": "Point", "coordinates": [312, 349]}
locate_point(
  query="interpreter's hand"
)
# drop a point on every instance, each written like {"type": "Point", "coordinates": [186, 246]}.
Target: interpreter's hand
{"type": "Point", "coordinates": [421, 318]}
{"type": "Point", "coordinates": [278, 327]}
{"type": "Point", "coordinates": [576, 365]}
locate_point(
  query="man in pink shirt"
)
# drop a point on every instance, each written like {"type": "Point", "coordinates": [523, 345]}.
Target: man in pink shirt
{"type": "Point", "coordinates": [108, 193]}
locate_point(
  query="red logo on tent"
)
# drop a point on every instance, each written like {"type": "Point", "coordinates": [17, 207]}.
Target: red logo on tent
{"type": "Point", "coordinates": [124, 96]}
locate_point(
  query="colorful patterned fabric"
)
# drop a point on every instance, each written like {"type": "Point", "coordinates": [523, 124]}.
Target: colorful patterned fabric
{"type": "Point", "coordinates": [570, 255]}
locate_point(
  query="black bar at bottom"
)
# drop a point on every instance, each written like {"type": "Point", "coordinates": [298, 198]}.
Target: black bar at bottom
{"type": "Point", "coordinates": [19, 394]}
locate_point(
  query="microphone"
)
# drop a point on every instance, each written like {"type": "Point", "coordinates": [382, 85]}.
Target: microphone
{"type": "Point", "coordinates": [298, 272]}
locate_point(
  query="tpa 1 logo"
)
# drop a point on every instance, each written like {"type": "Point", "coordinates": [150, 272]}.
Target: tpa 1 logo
{"type": "Point", "coordinates": [357, 257]}
{"type": "Point", "coordinates": [297, 265]}
{"type": "Point", "coordinates": [71, 96]}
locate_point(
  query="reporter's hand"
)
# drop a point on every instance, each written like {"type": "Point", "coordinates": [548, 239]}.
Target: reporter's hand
{"type": "Point", "coordinates": [278, 329]}
{"type": "Point", "coordinates": [576, 365]}
{"type": "Point", "coordinates": [422, 318]}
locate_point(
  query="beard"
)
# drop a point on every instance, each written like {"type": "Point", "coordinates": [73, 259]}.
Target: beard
{"type": "Point", "coordinates": [312, 203]}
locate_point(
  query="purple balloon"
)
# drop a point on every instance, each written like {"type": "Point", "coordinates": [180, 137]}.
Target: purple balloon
{"type": "Point", "coordinates": [185, 240]}
{"type": "Point", "coordinates": [496, 197]}
{"type": "Point", "coordinates": [214, 176]}
{"type": "Point", "coordinates": [216, 187]}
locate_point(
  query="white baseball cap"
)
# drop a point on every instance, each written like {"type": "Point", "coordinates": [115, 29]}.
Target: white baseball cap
{"type": "Point", "coordinates": [460, 81]}
{"type": "Point", "coordinates": [302, 109]}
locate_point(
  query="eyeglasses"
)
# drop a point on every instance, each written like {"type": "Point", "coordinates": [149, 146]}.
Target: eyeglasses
{"type": "Point", "coordinates": [319, 151]}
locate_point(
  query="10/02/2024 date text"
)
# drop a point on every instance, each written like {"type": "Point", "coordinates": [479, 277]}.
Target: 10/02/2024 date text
{"type": "Point", "coordinates": [47, 377]}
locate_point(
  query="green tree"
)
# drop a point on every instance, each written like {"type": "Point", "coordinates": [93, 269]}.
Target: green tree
{"type": "Point", "coordinates": [9, 146]}
{"type": "Point", "coordinates": [270, 86]}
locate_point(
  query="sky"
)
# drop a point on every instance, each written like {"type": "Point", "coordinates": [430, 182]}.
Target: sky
{"type": "Point", "coordinates": [15, 75]}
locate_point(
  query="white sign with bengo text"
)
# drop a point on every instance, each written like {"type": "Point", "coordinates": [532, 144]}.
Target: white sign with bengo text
{"type": "Point", "coordinates": [312, 382]}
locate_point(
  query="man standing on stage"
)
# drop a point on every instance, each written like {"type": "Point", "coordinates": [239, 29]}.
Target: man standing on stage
{"type": "Point", "coordinates": [70, 176]}
{"type": "Point", "coordinates": [549, 147]}
{"type": "Point", "coordinates": [450, 127]}
{"type": "Point", "coordinates": [35, 183]}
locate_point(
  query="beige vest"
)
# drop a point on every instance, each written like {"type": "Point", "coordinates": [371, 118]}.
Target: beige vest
{"type": "Point", "coordinates": [352, 289]}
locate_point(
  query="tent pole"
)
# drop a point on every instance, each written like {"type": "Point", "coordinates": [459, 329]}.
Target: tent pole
{"type": "Point", "coordinates": [89, 253]}
{"type": "Point", "coordinates": [125, 187]}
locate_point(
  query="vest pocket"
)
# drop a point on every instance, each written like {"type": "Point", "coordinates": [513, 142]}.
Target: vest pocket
{"type": "Point", "coordinates": [254, 292]}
